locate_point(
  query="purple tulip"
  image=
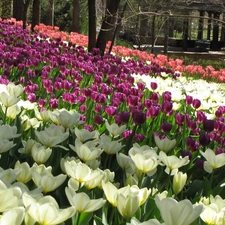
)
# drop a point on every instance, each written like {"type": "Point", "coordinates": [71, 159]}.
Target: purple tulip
{"type": "Point", "coordinates": [153, 85]}
{"type": "Point", "coordinates": [167, 107]}
{"type": "Point", "coordinates": [31, 97]}
{"type": "Point", "coordinates": [204, 139]}
{"type": "Point", "coordinates": [132, 100]}
{"type": "Point", "coordinates": [101, 98]}
{"type": "Point", "coordinates": [111, 110]}
{"type": "Point", "coordinates": [153, 111]}
{"type": "Point", "coordinates": [186, 153]}
{"type": "Point", "coordinates": [199, 163]}
{"type": "Point", "coordinates": [83, 108]}
{"type": "Point", "coordinates": [167, 96]}
{"type": "Point", "coordinates": [21, 80]}
{"type": "Point", "coordinates": [154, 97]}
{"type": "Point", "coordinates": [89, 128]}
{"type": "Point", "coordinates": [219, 113]}
{"type": "Point", "coordinates": [98, 108]}
{"type": "Point", "coordinates": [166, 127]}
{"type": "Point", "coordinates": [98, 119]}
{"type": "Point", "coordinates": [54, 103]}
{"type": "Point", "coordinates": [42, 102]}
{"type": "Point", "coordinates": [208, 125]}
{"type": "Point", "coordinates": [122, 117]}
{"type": "Point", "coordinates": [141, 86]}
{"type": "Point", "coordinates": [138, 117]}
{"type": "Point", "coordinates": [201, 116]}
{"type": "Point", "coordinates": [189, 100]}
{"type": "Point", "coordinates": [148, 103]}
{"type": "Point", "coordinates": [219, 151]}
{"type": "Point", "coordinates": [126, 134]}
{"type": "Point", "coordinates": [190, 142]}
{"type": "Point", "coordinates": [196, 103]}
{"type": "Point", "coordinates": [180, 119]}
{"type": "Point", "coordinates": [139, 137]}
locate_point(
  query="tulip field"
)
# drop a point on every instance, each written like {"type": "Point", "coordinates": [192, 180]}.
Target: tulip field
{"type": "Point", "coordinates": [128, 138]}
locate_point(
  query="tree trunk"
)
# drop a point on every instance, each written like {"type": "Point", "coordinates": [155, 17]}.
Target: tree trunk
{"type": "Point", "coordinates": [215, 31]}
{"type": "Point", "coordinates": [91, 24]}
{"type": "Point", "coordinates": [6, 9]}
{"type": "Point", "coordinates": [75, 27]}
{"type": "Point", "coordinates": [108, 25]}
{"type": "Point", "coordinates": [36, 13]}
{"type": "Point", "coordinates": [209, 27]}
{"type": "Point", "coordinates": [50, 16]}
{"type": "Point", "coordinates": [18, 9]}
{"type": "Point", "coordinates": [153, 33]}
{"type": "Point", "coordinates": [118, 26]}
{"type": "Point", "coordinates": [185, 34]}
{"type": "Point", "coordinates": [171, 26]}
{"type": "Point", "coordinates": [26, 6]}
{"type": "Point", "coordinates": [200, 25]}
{"type": "Point", "coordinates": [144, 7]}
{"type": "Point", "coordinates": [166, 37]}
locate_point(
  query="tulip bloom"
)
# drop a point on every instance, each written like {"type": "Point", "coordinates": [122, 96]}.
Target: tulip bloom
{"type": "Point", "coordinates": [9, 197]}
{"type": "Point", "coordinates": [134, 221]}
{"type": "Point", "coordinates": [173, 163]}
{"type": "Point", "coordinates": [25, 172]}
{"type": "Point", "coordinates": [114, 129]}
{"type": "Point", "coordinates": [213, 161]}
{"type": "Point", "coordinates": [78, 171]}
{"type": "Point", "coordinates": [125, 162]}
{"type": "Point", "coordinates": [52, 135]}
{"type": "Point", "coordinates": [109, 146]}
{"type": "Point", "coordinates": [164, 144]}
{"type": "Point", "coordinates": [196, 103]}
{"type": "Point", "coordinates": [14, 216]}
{"type": "Point", "coordinates": [8, 132]}
{"type": "Point", "coordinates": [127, 199]}
{"type": "Point", "coordinates": [145, 160]}
{"type": "Point", "coordinates": [6, 145]}
{"type": "Point", "coordinates": [47, 181]}
{"type": "Point", "coordinates": [84, 134]}
{"type": "Point", "coordinates": [138, 117]}
{"type": "Point", "coordinates": [9, 94]}
{"type": "Point", "coordinates": [40, 153]}
{"type": "Point", "coordinates": [82, 202]}
{"type": "Point", "coordinates": [86, 152]}
{"type": "Point", "coordinates": [210, 215]}
{"type": "Point", "coordinates": [47, 211]}
{"type": "Point", "coordinates": [179, 180]}
{"type": "Point", "coordinates": [68, 119]}
{"type": "Point", "coordinates": [178, 213]}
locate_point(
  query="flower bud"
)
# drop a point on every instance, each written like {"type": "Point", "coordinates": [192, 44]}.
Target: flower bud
{"type": "Point", "coordinates": [179, 180]}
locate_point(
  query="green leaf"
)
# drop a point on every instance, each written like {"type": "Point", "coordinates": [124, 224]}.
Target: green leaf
{"type": "Point", "coordinates": [207, 190]}
{"type": "Point", "coordinates": [98, 220]}
{"type": "Point", "coordinates": [84, 218]}
{"type": "Point", "coordinates": [194, 189]}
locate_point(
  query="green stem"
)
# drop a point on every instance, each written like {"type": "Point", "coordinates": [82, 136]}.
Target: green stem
{"type": "Point", "coordinates": [211, 179]}
{"type": "Point", "coordinates": [77, 218]}
{"type": "Point", "coordinates": [111, 219]}
{"type": "Point", "coordinates": [4, 121]}
{"type": "Point", "coordinates": [140, 180]}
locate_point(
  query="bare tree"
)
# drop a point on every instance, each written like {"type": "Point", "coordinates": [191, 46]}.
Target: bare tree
{"type": "Point", "coordinates": [50, 15]}
{"type": "Point", "coordinates": [35, 13]}
{"type": "Point", "coordinates": [26, 4]}
{"type": "Point", "coordinates": [108, 25]}
{"type": "Point", "coordinates": [91, 24]}
{"type": "Point", "coordinates": [75, 27]}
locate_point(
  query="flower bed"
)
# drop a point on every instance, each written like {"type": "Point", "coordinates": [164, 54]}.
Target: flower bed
{"type": "Point", "coordinates": [90, 139]}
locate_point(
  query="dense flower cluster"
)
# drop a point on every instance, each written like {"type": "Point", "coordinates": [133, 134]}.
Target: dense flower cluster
{"type": "Point", "coordinates": [90, 139]}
